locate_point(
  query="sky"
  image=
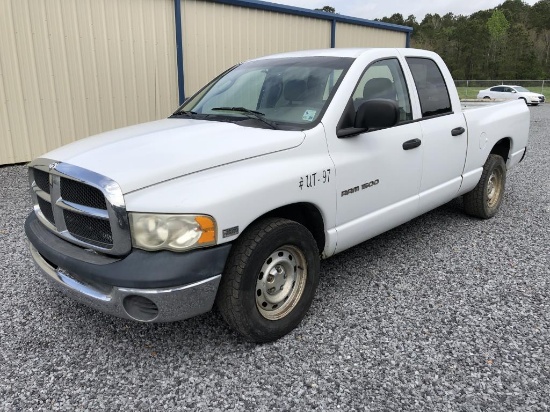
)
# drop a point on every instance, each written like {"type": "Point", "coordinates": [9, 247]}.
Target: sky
{"type": "Point", "coordinates": [372, 9]}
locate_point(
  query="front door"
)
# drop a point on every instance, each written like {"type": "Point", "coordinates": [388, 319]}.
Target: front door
{"type": "Point", "coordinates": [377, 178]}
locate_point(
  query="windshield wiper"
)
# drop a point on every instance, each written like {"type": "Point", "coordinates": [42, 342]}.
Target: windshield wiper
{"type": "Point", "coordinates": [253, 113]}
{"type": "Point", "coordinates": [184, 113]}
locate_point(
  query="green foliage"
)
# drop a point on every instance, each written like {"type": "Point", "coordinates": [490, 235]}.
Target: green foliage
{"type": "Point", "coordinates": [511, 41]}
{"type": "Point", "coordinates": [327, 9]}
{"type": "Point", "coordinates": [396, 18]}
{"type": "Point", "coordinates": [498, 25]}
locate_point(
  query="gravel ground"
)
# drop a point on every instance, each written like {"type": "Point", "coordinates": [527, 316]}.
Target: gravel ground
{"type": "Point", "coordinates": [444, 313]}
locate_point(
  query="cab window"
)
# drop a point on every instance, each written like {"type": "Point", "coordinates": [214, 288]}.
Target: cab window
{"type": "Point", "coordinates": [384, 79]}
{"type": "Point", "coordinates": [431, 87]}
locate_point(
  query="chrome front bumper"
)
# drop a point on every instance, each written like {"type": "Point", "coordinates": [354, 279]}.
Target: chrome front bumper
{"type": "Point", "coordinates": [145, 305]}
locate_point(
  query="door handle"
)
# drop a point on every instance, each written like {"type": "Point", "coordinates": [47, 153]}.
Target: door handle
{"type": "Point", "coordinates": [411, 144]}
{"type": "Point", "coordinates": [457, 131]}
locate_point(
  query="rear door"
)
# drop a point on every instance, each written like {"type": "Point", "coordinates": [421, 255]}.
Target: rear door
{"type": "Point", "coordinates": [444, 135]}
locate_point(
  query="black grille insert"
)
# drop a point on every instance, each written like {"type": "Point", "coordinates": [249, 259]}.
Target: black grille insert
{"type": "Point", "coordinates": [89, 229]}
{"type": "Point", "coordinates": [46, 209]}
{"type": "Point", "coordinates": [42, 180]}
{"type": "Point", "coordinates": [82, 194]}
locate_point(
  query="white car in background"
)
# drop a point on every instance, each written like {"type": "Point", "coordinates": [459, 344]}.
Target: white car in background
{"type": "Point", "coordinates": [511, 92]}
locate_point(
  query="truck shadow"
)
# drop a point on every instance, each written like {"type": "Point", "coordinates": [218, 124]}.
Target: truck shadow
{"type": "Point", "coordinates": [383, 260]}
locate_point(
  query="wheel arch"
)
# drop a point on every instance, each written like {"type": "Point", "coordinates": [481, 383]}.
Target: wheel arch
{"type": "Point", "coordinates": [307, 214]}
{"type": "Point", "coordinates": [502, 148]}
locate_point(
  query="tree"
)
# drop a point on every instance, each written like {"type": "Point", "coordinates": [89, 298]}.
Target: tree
{"type": "Point", "coordinates": [327, 9]}
{"type": "Point", "coordinates": [516, 11]}
{"type": "Point", "coordinates": [498, 28]}
{"type": "Point", "coordinates": [539, 19]}
{"type": "Point", "coordinates": [396, 18]}
{"type": "Point", "coordinates": [498, 25]}
{"type": "Point", "coordinates": [510, 41]}
{"type": "Point", "coordinates": [411, 22]}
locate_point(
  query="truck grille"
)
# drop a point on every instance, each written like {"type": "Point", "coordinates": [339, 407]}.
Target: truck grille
{"type": "Point", "coordinates": [46, 209]}
{"type": "Point", "coordinates": [89, 229]}
{"type": "Point", "coordinates": [42, 180]}
{"type": "Point", "coordinates": [75, 204]}
{"type": "Point", "coordinates": [80, 193]}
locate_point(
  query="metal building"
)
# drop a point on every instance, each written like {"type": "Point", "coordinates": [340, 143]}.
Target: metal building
{"type": "Point", "coordinates": [70, 69]}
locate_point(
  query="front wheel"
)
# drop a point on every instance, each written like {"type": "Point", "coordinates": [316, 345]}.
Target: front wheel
{"type": "Point", "coordinates": [270, 279]}
{"type": "Point", "coordinates": [485, 199]}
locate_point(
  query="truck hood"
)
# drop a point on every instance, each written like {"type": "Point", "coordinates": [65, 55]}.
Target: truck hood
{"type": "Point", "coordinates": [150, 153]}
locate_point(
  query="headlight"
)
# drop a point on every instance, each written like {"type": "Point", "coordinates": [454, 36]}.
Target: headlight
{"type": "Point", "coordinates": [172, 232]}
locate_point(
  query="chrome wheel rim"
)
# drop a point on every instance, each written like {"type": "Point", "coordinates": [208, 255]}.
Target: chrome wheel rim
{"type": "Point", "coordinates": [281, 282]}
{"type": "Point", "coordinates": [494, 188]}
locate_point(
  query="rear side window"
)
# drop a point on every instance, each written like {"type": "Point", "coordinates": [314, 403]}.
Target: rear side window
{"type": "Point", "coordinates": [431, 87]}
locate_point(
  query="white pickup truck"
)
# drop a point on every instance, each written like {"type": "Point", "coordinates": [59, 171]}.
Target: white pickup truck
{"type": "Point", "coordinates": [275, 164]}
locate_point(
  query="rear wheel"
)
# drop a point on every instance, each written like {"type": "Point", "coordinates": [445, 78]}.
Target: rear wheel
{"type": "Point", "coordinates": [270, 279]}
{"type": "Point", "coordinates": [486, 98]}
{"type": "Point", "coordinates": [485, 199]}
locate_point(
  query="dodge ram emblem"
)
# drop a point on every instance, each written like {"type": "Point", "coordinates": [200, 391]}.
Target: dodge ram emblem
{"type": "Point", "coordinates": [53, 165]}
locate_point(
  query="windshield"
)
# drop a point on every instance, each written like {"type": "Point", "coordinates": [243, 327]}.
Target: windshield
{"type": "Point", "coordinates": [278, 93]}
{"type": "Point", "coordinates": [522, 89]}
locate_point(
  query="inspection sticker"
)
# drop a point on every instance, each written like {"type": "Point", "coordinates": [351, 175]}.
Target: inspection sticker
{"type": "Point", "coordinates": [309, 115]}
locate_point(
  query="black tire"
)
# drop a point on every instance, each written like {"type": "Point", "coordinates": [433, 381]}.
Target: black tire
{"type": "Point", "coordinates": [485, 199]}
{"type": "Point", "coordinates": [266, 306]}
{"type": "Point", "coordinates": [486, 98]}
{"type": "Point", "coordinates": [524, 100]}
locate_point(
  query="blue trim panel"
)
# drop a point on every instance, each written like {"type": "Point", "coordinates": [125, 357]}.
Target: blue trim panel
{"type": "Point", "coordinates": [179, 50]}
{"type": "Point", "coordinates": [408, 44]}
{"type": "Point", "coordinates": [298, 11]}
{"type": "Point", "coordinates": [333, 34]}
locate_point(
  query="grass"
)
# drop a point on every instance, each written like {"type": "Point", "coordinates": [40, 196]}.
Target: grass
{"type": "Point", "coordinates": [471, 92]}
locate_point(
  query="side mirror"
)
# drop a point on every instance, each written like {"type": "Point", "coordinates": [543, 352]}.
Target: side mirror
{"type": "Point", "coordinates": [372, 114]}
{"type": "Point", "coordinates": [377, 114]}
